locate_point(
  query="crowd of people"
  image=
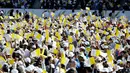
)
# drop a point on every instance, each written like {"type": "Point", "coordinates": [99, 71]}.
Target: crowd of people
{"type": "Point", "coordinates": [74, 43]}
{"type": "Point", "coordinates": [16, 3]}
{"type": "Point", "coordinates": [68, 4]}
{"type": "Point", "coordinates": [93, 4]}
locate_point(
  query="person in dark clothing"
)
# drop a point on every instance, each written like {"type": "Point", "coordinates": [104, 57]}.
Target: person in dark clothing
{"type": "Point", "coordinates": [11, 12]}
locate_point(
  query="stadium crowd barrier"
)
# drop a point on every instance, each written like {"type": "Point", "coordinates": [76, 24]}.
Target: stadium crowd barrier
{"type": "Point", "coordinates": [39, 12]}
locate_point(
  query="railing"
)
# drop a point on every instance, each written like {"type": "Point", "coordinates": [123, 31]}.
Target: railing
{"type": "Point", "coordinates": [46, 12]}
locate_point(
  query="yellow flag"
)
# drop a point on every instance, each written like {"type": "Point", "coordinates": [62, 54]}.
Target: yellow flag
{"type": "Point", "coordinates": [36, 26]}
{"type": "Point", "coordinates": [18, 36]}
{"type": "Point", "coordinates": [117, 46]}
{"type": "Point", "coordinates": [63, 60]}
{"type": "Point", "coordinates": [96, 23]}
{"type": "Point", "coordinates": [104, 32]}
{"type": "Point", "coordinates": [21, 33]}
{"type": "Point", "coordinates": [117, 32]}
{"type": "Point", "coordinates": [55, 51]}
{"type": "Point", "coordinates": [71, 46]}
{"type": "Point", "coordinates": [88, 17]}
{"type": "Point", "coordinates": [11, 51]}
{"type": "Point", "coordinates": [109, 28]}
{"type": "Point", "coordinates": [78, 15]}
{"type": "Point", "coordinates": [97, 52]}
{"type": "Point", "coordinates": [110, 59]}
{"type": "Point", "coordinates": [37, 51]}
{"type": "Point", "coordinates": [61, 18]}
{"type": "Point", "coordinates": [44, 71]}
{"type": "Point", "coordinates": [97, 37]}
{"type": "Point", "coordinates": [27, 35]}
{"type": "Point", "coordinates": [53, 38]}
{"type": "Point", "coordinates": [64, 21]}
{"type": "Point", "coordinates": [58, 45]}
{"type": "Point", "coordinates": [62, 55]}
{"type": "Point", "coordinates": [88, 49]}
{"type": "Point", "coordinates": [13, 36]}
{"type": "Point", "coordinates": [70, 39]}
{"type": "Point", "coordinates": [127, 34]}
{"type": "Point", "coordinates": [45, 22]}
{"type": "Point", "coordinates": [11, 61]}
{"type": "Point", "coordinates": [47, 35]}
{"type": "Point", "coordinates": [2, 59]}
{"type": "Point", "coordinates": [58, 35]}
{"type": "Point", "coordinates": [77, 31]}
{"type": "Point", "coordinates": [108, 52]}
{"type": "Point", "coordinates": [7, 44]}
{"type": "Point", "coordinates": [1, 37]}
{"type": "Point", "coordinates": [43, 51]}
{"type": "Point", "coordinates": [92, 60]}
{"type": "Point", "coordinates": [30, 14]}
{"type": "Point", "coordinates": [108, 37]}
{"type": "Point", "coordinates": [79, 41]}
{"type": "Point", "coordinates": [2, 25]}
{"type": "Point", "coordinates": [87, 8]}
{"type": "Point", "coordinates": [0, 66]}
{"type": "Point", "coordinates": [52, 14]}
{"type": "Point", "coordinates": [38, 36]}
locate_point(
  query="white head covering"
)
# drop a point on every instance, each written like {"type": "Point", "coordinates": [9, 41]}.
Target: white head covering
{"type": "Point", "coordinates": [87, 43]}
{"type": "Point", "coordinates": [70, 54]}
{"type": "Point", "coordinates": [28, 60]}
{"type": "Point", "coordinates": [30, 68]}
{"type": "Point", "coordinates": [14, 71]}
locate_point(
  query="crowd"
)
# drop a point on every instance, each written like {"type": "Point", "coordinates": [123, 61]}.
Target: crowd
{"type": "Point", "coordinates": [16, 3]}
{"type": "Point", "coordinates": [74, 43]}
{"type": "Point", "coordinates": [67, 4]}
{"type": "Point", "coordinates": [93, 4]}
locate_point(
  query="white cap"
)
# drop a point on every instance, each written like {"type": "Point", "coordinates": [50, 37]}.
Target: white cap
{"type": "Point", "coordinates": [99, 66]}
{"type": "Point", "coordinates": [18, 51]}
{"type": "Point", "coordinates": [34, 46]}
{"type": "Point", "coordinates": [20, 63]}
{"type": "Point", "coordinates": [87, 43]}
{"type": "Point", "coordinates": [14, 71]}
{"type": "Point", "coordinates": [119, 61]}
{"type": "Point", "coordinates": [92, 27]}
{"type": "Point", "coordinates": [25, 43]}
{"type": "Point", "coordinates": [28, 60]}
{"type": "Point", "coordinates": [30, 68]}
{"type": "Point", "coordinates": [82, 47]}
{"type": "Point", "coordinates": [70, 54]}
